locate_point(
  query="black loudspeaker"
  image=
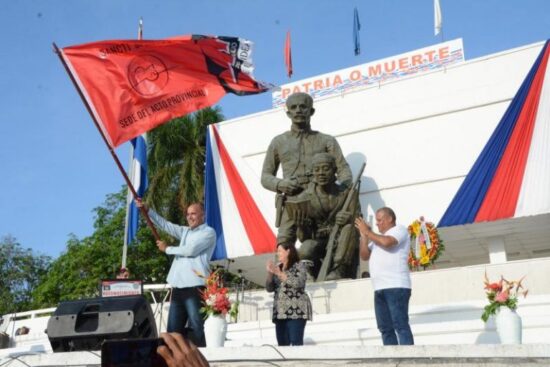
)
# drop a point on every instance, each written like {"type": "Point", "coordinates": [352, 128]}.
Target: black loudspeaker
{"type": "Point", "coordinates": [85, 324]}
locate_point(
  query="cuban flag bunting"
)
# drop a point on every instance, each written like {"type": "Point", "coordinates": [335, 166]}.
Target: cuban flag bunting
{"type": "Point", "coordinates": [241, 228]}
{"type": "Point", "coordinates": [511, 176]}
{"type": "Point", "coordinates": [356, 29]}
{"type": "Point", "coordinates": [138, 176]}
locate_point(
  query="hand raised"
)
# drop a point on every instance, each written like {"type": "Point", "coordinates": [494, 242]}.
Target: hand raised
{"type": "Point", "coordinates": [139, 203]}
{"type": "Point", "coordinates": [161, 245]}
{"type": "Point", "coordinates": [362, 226]}
{"type": "Point", "coordinates": [271, 267]}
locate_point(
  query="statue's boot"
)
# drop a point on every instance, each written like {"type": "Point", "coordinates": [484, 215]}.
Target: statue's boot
{"type": "Point", "coordinates": [308, 264]}
{"type": "Point", "coordinates": [336, 273]}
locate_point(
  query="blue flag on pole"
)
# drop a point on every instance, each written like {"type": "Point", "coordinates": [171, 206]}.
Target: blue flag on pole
{"type": "Point", "coordinates": [356, 28]}
{"type": "Point", "coordinates": [138, 176]}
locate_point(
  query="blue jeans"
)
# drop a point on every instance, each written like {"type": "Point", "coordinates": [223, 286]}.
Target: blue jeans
{"type": "Point", "coordinates": [185, 308]}
{"type": "Point", "coordinates": [290, 332]}
{"type": "Point", "coordinates": [391, 307]}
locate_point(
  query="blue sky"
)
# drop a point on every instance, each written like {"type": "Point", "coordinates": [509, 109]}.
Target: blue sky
{"type": "Point", "coordinates": [54, 166]}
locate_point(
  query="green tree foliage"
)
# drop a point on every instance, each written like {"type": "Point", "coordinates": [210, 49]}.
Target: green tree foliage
{"type": "Point", "coordinates": [176, 163]}
{"type": "Point", "coordinates": [176, 178]}
{"type": "Point", "coordinates": [76, 273]}
{"type": "Point", "coordinates": [20, 271]}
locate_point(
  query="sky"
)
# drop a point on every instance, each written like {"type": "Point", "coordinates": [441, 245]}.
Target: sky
{"type": "Point", "coordinates": [55, 168]}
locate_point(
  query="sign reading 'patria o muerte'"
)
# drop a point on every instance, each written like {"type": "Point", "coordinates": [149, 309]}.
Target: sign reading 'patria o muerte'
{"type": "Point", "coordinates": [375, 72]}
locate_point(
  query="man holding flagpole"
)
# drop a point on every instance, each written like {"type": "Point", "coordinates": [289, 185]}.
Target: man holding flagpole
{"type": "Point", "coordinates": [191, 258]}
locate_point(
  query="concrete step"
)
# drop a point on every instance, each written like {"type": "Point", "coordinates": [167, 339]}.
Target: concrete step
{"type": "Point", "coordinates": [327, 355]}
{"type": "Point", "coordinates": [457, 323]}
{"type": "Point", "coordinates": [417, 356]}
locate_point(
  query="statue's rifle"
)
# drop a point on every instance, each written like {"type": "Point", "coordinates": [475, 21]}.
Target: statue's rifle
{"type": "Point", "coordinates": [327, 262]}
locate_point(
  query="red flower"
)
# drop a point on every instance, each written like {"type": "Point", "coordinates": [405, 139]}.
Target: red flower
{"type": "Point", "coordinates": [502, 297]}
{"type": "Point", "coordinates": [503, 293]}
{"type": "Point", "coordinates": [216, 300]}
{"type": "Point", "coordinates": [495, 287]}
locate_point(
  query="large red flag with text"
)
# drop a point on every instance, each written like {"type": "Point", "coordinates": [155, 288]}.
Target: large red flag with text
{"type": "Point", "coordinates": [133, 86]}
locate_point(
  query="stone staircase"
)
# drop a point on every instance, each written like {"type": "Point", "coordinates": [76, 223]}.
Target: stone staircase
{"type": "Point", "coordinates": [444, 324]}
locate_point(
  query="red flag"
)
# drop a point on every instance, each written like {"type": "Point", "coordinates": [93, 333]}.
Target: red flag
{"type": "Point", "coordinates": [288, 55]}
{"type": "Point", "coordinates": [134, 86]}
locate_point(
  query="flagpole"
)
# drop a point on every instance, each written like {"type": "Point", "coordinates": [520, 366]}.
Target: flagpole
{"type": "Point", "coordinates": [111, 150]}
{"type": "Point", "coordinates": [129, 199]}
{"type": "Point", "coordinates": [132, 174]}
{"type": "Point", "coordinates": [127, 219]}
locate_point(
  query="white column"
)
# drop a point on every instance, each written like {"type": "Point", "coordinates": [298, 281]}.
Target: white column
{"type": "Point", "coordinates": [497, 251]}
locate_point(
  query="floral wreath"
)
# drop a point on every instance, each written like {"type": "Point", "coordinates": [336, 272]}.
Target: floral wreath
{"type": "Point", "coordinates": [426, 246]}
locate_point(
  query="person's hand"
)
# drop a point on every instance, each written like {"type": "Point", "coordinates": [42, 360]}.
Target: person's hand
{"type": "Point", "coordinates": [271, 267]}
{"type": "Point", "coordinates": [275, 270]}
{"type": "Point", "coordinates": [139, 203]}
{"type": "Point", "coordinates": [289, 187]}
{"type": "Point", "coordinates": [342, 217]}
{"type": "Point", "coordinates": [161, 245]}
{"type": "Point", "coordinates": [362, 226]}
{"type": "Point", "coordinates": [178, 352]}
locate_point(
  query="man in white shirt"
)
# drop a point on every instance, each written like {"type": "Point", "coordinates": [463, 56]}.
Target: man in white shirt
{"type": "Point", "coordinates": [387, 253]}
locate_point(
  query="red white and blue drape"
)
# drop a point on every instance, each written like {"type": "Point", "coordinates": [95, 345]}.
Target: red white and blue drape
{"type": "Point", "coordinates": [241, 228]}
{"type": "Point", "coordinates": [511, 177]}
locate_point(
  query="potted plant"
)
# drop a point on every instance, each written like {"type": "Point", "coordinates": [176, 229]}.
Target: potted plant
{"type": "Point", "coordinates": [216, 306]}
{"type": "Point", "coordinates": [503, 302]}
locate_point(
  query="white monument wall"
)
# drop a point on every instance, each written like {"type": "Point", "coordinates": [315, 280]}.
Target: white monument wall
{"type": "Point", "coordinates": [419, 135]}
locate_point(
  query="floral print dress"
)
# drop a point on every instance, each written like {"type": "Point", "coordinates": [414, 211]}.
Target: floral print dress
{"type": "Point", "coordinates": [290, 299]}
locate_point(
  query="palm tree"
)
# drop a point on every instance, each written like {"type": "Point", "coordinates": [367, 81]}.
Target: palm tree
{"type": "Point", "coordinates": [176, 162]}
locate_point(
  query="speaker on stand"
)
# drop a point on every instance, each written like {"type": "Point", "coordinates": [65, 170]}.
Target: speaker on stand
{"type": "Point", "coordinates": [85, 324]}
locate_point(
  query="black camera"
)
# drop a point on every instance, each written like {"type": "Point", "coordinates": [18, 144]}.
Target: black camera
{"type": "Point", "coordinates": [132, 353]}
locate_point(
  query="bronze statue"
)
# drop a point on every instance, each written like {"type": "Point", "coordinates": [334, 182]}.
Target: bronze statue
{"type": "Point", "coordinates": [324, 215]}
{"type": "Point", "coordinates": [294, 151]}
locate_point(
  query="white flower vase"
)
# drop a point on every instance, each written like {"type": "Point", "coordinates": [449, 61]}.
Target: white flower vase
{"type": "Point", "coordinates": [508, 324]}
{"type": "Point", "coordinates": [215, 329]}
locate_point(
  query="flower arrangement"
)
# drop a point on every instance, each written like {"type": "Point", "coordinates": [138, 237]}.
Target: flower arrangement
{"type": "Point", "coordinates": [426, 246]}
{"type": "Point", "coordinates": [215, 298]}
{"type": "Point", "coordinates": [502, 293]}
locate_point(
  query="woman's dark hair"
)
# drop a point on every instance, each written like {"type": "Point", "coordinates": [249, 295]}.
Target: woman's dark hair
{"type": "Point", "coordinates": [293, 257]}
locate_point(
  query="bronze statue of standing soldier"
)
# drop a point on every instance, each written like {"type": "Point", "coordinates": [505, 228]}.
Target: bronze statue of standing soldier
{"type": "Point", "coordinates": [294, 151]}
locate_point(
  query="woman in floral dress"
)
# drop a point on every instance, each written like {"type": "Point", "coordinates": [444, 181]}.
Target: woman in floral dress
{"type": "Point", "coordinates": [291, 304]}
